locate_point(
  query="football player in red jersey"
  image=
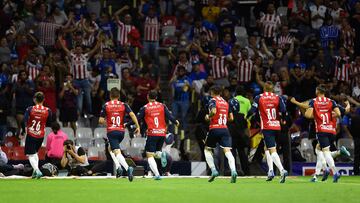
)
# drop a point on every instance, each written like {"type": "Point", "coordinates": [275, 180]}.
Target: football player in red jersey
{"type": "Point", "coordinates": [35, 120]}
{"type": "Point", "coordinates": [113, 114]}
{"type": "Point", "coordinates": [320, 160]}
{"type": "Point", "coordinates": [271, 108]}
{"type": "Point", "coordinates": [321, 109]}
{"type": "Point", "coordinates": [219, 114]}
{"type": "Point", "coordinates": [155, 116]}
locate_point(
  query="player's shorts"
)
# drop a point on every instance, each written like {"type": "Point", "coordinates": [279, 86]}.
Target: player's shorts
{"type": "Point", "coordinates": [154, 143]}
{"type": "Point", "coordinates": [115, 138]}
{"type": "Point", "coordinates": [323, 139]}
{"type": "Point", "coordinates": [32, 144]}
{"type": "Point", "coordinates": [218, 135]}
{"type": "Point", "coordinates": [270, 137]}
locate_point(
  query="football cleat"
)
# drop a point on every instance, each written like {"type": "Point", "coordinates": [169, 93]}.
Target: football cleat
{"type": "Point", "coordinates": [271, 175]}
{"type": "Point", "coordinates": [37, 174]}
{"type": "Point", "coordinates": [344, 151]}
{"type": "Point", "coordinates": [325, 174]}
{"type": "Point", "coordinates": [214, 174]}
{"type": "Point", "coordinates": [119, 172]}
{"type": "Point", "coordinates": [233, 177]}
{"type": "Point", "coordinates": [336, 177]}
{"type": "Point", "coordinates": [313, 179]}
{"type": "Point", "coordinates": [130, 173]}
{"type": "Point", "coordinates": [157, 178]}
{"type": "Point", "coordinates": [284, 173]}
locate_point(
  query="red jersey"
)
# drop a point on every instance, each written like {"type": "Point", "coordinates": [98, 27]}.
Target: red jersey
{"type": "Point", "coordinates": [269, 106]}
{"type": "Point", "coordinates": [219, 120]}
{"type": "Point", "coordinates": [155, 115]}
{"type": "Point", "coordinates": [115, 112]}
{"type": "Point", "coordinates": [35, 119]}
{"type": "Point", "coordinates": [324, 121]}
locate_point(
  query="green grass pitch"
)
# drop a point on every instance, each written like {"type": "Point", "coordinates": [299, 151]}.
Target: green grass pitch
{"type": "Point", "coordinates": [184, 190]}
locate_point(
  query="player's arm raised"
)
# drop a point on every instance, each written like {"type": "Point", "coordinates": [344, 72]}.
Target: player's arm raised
{"type": "Point", "coordinates": [309, 113]}
{"type": "Point", "coordinates": [303, 105]}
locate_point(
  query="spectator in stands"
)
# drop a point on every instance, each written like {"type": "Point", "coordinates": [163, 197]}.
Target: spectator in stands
{"type": "Point", "coordinates": [317, 14]}
{"type": "Point", "coordinates": [68, 109]}
{"type": "Point", "coordinates": [143, 86]}
{"type": "Point", "coordinates": [226, 44]}
{"type": "Point", "coordinates": [47, 86]}
{"type": "Point", "coordinates": [219, 68]}
{"type": "Point", "coordinates": [328, 33]}
{"type": "Point", "coordinates": [269, 24]}
{"type": "Point", "coordinates": [128, 89]}
{"type": "Point", "coordinates": [211, 12]}
{"type": "Point", "coordinates": [75, 160]}
{"type": "Point", "coordinates": [4, 51]}
{"type": "Point", "coordinates": [54, 145]}
{"type": "Point", "coordinates": [78, 67]}
{"type": "Point", "coordinates": [24, 90]}
{"type": "Point", "coordinates": [152, 33]}
{"type": "Point", "coordinates": [181, 88]}
{"type": "Point", "coordinates": [198, 77]}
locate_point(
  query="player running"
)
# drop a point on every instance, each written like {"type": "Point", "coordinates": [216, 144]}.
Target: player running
{"type": "Point", "coordinates": [155, 115]}
{"type": "Point", "coordinates": [35, 120]}
{"type": "Point", "coordinates": [272, 111]}
{"type": "Point", "coordinates": [114, 111]}
{"type": "Point", "coordinates": [320, 160]}
{"type": "Point", "coordinates": [218, 116]}
{"type": "Point", "coordinates": [321, 109]}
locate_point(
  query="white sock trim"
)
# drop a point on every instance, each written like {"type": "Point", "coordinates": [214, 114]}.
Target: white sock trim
{"type": "Point", "coordinates": [153, 166]}
{"type": "Point", "coordinates": [269, 161]}
{"type": "Point", "coordinates": [231, 161]}
{"type": "Point", "coordinates": [34, 161]}
{"type": "Point", "coordinates": [330, 161]}
{"type": "Point", "coordinates": [115, 160]}
{"type": "Point", "coordinates": [122, 161]}
{"type": "Point", "coordinates": [209, 159]}
{"type": "Point", "coordinates": [276, 160]}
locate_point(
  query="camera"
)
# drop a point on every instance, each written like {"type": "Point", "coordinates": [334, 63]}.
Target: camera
{"type": "Point", "coordinates": [68, 147]}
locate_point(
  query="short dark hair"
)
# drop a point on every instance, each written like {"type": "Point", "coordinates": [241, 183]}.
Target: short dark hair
{"type": "Point", "coordinates": [55, 127]}
{"type": "Point", "coordinates": [39, 97]}
{"type": "Point", "coordinates": [180, 67]}
{"type": "Point", "coordinates": [321, 88]}
{"type": "Point", "coordinates": [114, 93]}
{"type": "Point", "coordinates": [153, 94]}
{"type": "Point", "coordinates": [240, 90]}
{"type": "Point", "coordinates": [68, 142]}
{"type": "Point", "coordinates": [216, 90]}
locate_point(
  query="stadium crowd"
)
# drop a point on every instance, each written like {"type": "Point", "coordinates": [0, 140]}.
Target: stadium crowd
{"type": "Point", "coordinates": [68, 49]}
